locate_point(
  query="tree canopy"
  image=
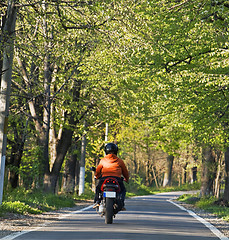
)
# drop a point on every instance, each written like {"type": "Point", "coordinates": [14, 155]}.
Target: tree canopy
{"type": "Point", "coordinates": [156, 71]}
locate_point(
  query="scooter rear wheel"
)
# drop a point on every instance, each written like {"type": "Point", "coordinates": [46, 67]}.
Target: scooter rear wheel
{"type": "Point", "coordinates": [109, 211]}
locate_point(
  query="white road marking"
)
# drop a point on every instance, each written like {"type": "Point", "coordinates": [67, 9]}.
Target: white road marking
{"type": "Point", "coordinates": [75, 212]}
{"type": "Point", "coordinates": [206, 223]}
{"type": "Point", "coordinates": [17, 234]}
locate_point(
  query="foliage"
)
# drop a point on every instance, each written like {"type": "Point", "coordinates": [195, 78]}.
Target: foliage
{"type": "Point", "coordinates": [24, 201]}
{"type": "Point", "coordinates": [31, 164]}
{"type": "Point", "coordinates": [184, 187]}
{"type": "Point", "coordinates": [189, 198]}
{"type": "Point", "coordinates": [156, 71]}
{"type": "Point", "coordinates": [18, 207]}
{"type": "Point", "coordinates": [87, 195]}
{"type": "Point", "coordinates": [38, 200]}
{"type": "Point", "coordinates": [136, 187]}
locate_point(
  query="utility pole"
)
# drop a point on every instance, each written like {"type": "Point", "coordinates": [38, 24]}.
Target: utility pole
{"type": "Point", "coordinates": [106, 133]}
{"type": "Point", "coordinates": [8, 31]}
{"type": "Point", "coordinates": [82, 162]}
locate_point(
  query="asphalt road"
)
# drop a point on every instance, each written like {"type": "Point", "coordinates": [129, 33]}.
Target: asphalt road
{"type": "Point", "coordinates": [149, 217]}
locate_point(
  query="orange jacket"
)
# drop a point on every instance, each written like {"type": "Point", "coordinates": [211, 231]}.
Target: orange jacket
{"type": "Point", "coordinates": [111, 165]}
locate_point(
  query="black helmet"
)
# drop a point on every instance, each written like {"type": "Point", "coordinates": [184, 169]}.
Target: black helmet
{"type": "Point", "coordinates": [111, 148]}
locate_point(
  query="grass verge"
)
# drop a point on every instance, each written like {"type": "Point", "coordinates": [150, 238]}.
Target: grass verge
{"type": "Point", "coordinates": [24, 201]}
{"type": "Point", "coordinates": [208, 204]}
{"type": "Point", "coordinates": [137, 188]}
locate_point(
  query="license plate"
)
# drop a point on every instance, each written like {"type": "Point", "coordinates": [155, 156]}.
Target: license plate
{"type": "Point", "coordinates": [109, 194]}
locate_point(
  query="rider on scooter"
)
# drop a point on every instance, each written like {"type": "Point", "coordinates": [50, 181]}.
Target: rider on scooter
{"type": "Point", "coordinates": [109, 166]}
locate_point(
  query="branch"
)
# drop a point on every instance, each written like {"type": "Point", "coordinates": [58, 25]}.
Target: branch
{"type": "Point", "coordinates": [19, 87]}
{"type": "Point", "coordinates": [31, 101]}
{"type": "Point", "coordinates": [189, 58]}
{"type": "Point", "coordinates": [18, 5]}
{"type": "Point", "coordinates": [178, 5]}
{"type": "Point", "coordinates": [73, 71]}
{"type": "Point", "coordinates": [3, 4]}
{"type": "Point", "coordinates": [222, 114]}
{"type": "Point", "coordinates": [90, 106]}
{"type": "Point", "coordinates": [85, 26]}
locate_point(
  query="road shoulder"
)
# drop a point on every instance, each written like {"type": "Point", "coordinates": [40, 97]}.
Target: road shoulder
{"type": "Point", "coordinates": [217, 222]}
{"type": "Point", "coordinates": [12, 223]}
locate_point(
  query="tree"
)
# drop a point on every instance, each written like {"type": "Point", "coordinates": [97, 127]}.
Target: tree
{"type": "Point", "coordinates": [41, 103]}
{"type": "Point", "coordinates": [184, 59]}
{"type": "Point", "coordinates": [226, 192]}
{"type": "Point", "coordinates": [208, 172]}
{"type": "Point", "coordinates": [162, 64]}
{"type": "Point", "coordinates": [16, 142]}
{"type": "Point", "coordinates": [60, 85]}
{"type": "Point", "coordinates": [168, 171]}
{"type": "Point", "coordinates": [6, 74]}
{"type": "Point", "coordinates": [71, 168]}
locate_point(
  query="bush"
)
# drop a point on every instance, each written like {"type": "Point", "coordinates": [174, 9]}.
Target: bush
{"type": "Point", "coordinates": [18, 207]}
{"type": "Point", "coordinates": [137, 188]}
{"type": "Point", "coordinates": [88, 194]}
{"type": "Point", "coordinates": [191, 199]}
{"type": "Point", "coordinates": [36, 200]}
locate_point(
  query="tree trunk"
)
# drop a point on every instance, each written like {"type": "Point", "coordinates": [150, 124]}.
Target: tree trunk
{"type": "Point", "coordinates": [77, 174]}
{"type": "Point", "coordinates": [64, 142]}
{"type": "Point", "coordinates": [154, 176]}
{"type": "Point", "coordinates": [42, 134]}
{"type": "Point", "coordinates": [5, 85]}
{"type": "Point", "coordinates": [17, 148]}
{"type": "Point", "coordinates": [138, 165]}
{"type": "Point", "coordinates": [217, 182]}
{"type": "Point", "coordinates": [184, 173]}
{"type": "Point", "coordinates": [168, 171]}
{"type": "Point", "coordinates": [193, 175]}
{"type": "Point", "coordinates": [50, 178]}
{"type": "Point", "coordinates": [15, 160]}
{"type": "Point", "coordinates": [47, 92]}
{"type": "Point", "coordinates": [135, 159]}
{"type": "Point", "coordinates": [226, 191]}
{"type": "Point", "coordinates": [2, 23]}
{"type": "Point", "coordinates": [208, 171]}
{"type": "Point", "coordinates": [70, 171]}
{"type": "Point", "coordinates": [147, 163]}
{"type": "Point", "coordinates": [52, 140]}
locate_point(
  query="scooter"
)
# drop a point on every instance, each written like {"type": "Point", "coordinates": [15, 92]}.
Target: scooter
{"type": "Point", "coordinates": [111, 199]}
